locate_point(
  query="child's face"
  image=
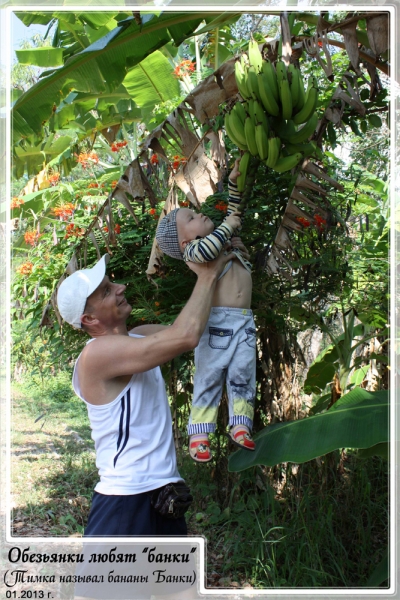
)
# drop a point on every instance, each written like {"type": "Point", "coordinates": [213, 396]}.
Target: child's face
{"type": "Point", "coordinates": [191, 225]}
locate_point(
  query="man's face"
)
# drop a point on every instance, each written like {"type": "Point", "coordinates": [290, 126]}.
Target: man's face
{"type": "Point", "coordinates": [108, 303]}
{"type": "Point", "coordinates": [191, 225]}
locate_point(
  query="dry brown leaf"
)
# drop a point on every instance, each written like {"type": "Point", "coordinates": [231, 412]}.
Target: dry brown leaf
{"type": "Point", "coordinates": [300, 197]}
{"type": "Point", "coordinates": [213, 91]}
{"type": "Point", "coordinates": [110, 133]}
{"type": "Point", "coordinates": [188, 139]}
{"type": "Point", "coordinates": [289, 223]}
{"type": "Point", "coordinates": [349, 32]}
{"type": "Point", "coordinates": [375, 84]}
{"type": "Point", "coordinates": [72, 266]}
{"type": "Point", "coordinates": [122, 198]}
{"type": "Point", "coordinates": [304, 182]}
{"type": "Point", "coordinates": [201, 176]}
{"type": "Point", "coordinates": [53, 300]}
{"type": "Point", "coordinates": [155, 145]}
{"type": "Point", "coordinates": [99, 226]}
{"type": "Point", "coordinates": [131, 180]}
{"type": "Point", "coordinates": [282, 240]}
{"type": "Point", "coordinates": [45, 320]}
{"type": "Point", "coordinates": [292, 209]}
{"type": "Point", "coordinates": [112, 240]}
{"type": "Point", "coordinates": [272, 265]}
{"type": "Point", "coordinates": [312, 47]}
{"type": "Point", "coordinates": [352, 98]}
{"type": "Point", "coordinates": [378, 33]}
{"type": "Point", "coordinates": [95, 244]}
{"type": "Point", "coordinates": [217, 149]}
{"type": "Point", "coordinates": [313, 169]}
{"type": "Point", "coordinates": [333, 114]}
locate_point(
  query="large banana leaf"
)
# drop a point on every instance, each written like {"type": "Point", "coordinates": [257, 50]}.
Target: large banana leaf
{"type": "Point", "coordinates": [41, 57]}
{"type": "Point", "coordinates": [31, 158]}
{"type": "Point", "coordinates": [358, 420]}
{"type": "Point", "coordinates": [151, 81]}
{"type": "Point", "coordinates": [101, 67]}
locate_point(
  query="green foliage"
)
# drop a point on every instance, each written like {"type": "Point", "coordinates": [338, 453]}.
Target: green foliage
{"type": "Point", "coordinates": [358, 419]}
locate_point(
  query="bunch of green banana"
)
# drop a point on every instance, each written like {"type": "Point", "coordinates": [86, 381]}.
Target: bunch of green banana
{"type": "Point", "coordinates": [277, 116]}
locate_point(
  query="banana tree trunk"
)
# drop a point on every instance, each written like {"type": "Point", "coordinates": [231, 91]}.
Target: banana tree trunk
{"type": "Point", "coordinates": [280, 389]}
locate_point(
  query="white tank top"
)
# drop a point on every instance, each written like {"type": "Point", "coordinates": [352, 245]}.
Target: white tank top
{"type": "Point", "coordinates": [133, 436]}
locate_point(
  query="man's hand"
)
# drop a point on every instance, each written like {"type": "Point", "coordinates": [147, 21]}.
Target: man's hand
{"type": "Point", "coordinates": [234, 174]}
{"type": "Point", "coordinates": [236, 242]}
{"type": "Point", "coordinates": [213, 267]}
{"type": "Point", "coordinates": [234, 220]}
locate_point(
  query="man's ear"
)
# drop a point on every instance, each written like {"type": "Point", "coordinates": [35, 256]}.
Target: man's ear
{"type": "Point", "coordinates": [88, 320]}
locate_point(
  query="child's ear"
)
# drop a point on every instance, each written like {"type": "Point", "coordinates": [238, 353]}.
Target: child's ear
{"type": "Point", "coordinates": [184, 244]}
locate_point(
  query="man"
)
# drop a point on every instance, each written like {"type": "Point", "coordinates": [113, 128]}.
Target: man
{"type": "Point", "coordinates": [117, 375]}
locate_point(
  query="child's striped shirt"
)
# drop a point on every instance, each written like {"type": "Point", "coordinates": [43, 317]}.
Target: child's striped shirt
{"type": "Point", "coordinates": [209, 247]}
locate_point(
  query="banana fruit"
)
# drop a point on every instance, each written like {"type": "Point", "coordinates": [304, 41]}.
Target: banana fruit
{"type": "Point", "coordinates": [275, 115]}
{"type": "Point", "coordinates": [243, 166]}
{"type": "Point", "coordinates": [287, 163]}
{"type": "Point", "coordinates": [250, 134]}
{"type": "Point", "coordinates": [310, 105]}
{"type": "Point", "coordinates": [255, 56]}
{"type": "Point", "coordinates": [274, 147]}
{"type": "Point", "coordinates": [261, 137]}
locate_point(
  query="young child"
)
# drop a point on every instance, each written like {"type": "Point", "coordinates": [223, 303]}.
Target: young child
{"type": "Point", "coordinates": [227, 349]}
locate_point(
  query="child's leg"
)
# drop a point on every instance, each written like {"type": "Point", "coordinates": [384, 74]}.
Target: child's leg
{"type": "Point", "coordinates": [210, 368]}
{"type": "Point", "coordinates": [241, 386]}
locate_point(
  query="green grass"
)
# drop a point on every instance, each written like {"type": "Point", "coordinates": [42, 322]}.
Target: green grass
{"type": "Point", "coordinates": [320, 524]}
{"type": "Point", "coordinates": [53, 467]}
{"type": "Point", "coordinates": [326, 525]}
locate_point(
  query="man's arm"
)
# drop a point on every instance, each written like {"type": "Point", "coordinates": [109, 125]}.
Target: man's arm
{"type": "Point", "coordinates": [116, 355]}
{"type": "Point", "coordinates": [148, 329]}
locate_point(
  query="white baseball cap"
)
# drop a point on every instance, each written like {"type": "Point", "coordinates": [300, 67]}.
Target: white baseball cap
{"type": "Point", "coordinates": [75, 290]}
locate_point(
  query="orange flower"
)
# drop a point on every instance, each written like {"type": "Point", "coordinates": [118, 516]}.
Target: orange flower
{"type": "Point", "coordinates": [64, 211]}
{"type": "Point", "coordinates": [117, 228]}
{"type": "Point", "coordinates": [320, 222]}
{"type": "Point", "coordinates": [31, 237]}
{"type": "Point", "coordinates": [114, 183]}
{"type": "Point", "coordinates": [303, 221]}
{"type": "Point", "coordinates": [25, 269]}
{"type": "Point", "coordinates": [73, 231]}
{"type": "Point", "coordinates": [154, 159]}
{"type": "Point", "coordinates": [85, 157]}
{"type": "Point", "coordinates": [54, 178]}
{"type": "Point", "coordinates": [16, 202]}
{"type": "Point", "coordinates": [184, 68]}
{"type": "Point", "coordinates": [114, 148]}
{"type": "Point", "coordinates": [152, 211]}
{"type": "Point", "coordinates": [157, 303]}
{"type": "Point", "coordinates": [183, 203]}
{"type": "Point", "coordinates": [93, 185]}
{"type": "Point", "coordinates": [122, 144]}
{"type": "Point", "coordinates": [178, 160]}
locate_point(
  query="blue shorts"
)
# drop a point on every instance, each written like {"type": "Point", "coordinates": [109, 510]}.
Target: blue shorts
{"type": "Point", "coordinates": [129, 515]}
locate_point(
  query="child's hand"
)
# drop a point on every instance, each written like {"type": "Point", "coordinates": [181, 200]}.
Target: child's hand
{"type": "Point", "coordinates": [235, 171]}
{"type": "Point", "coordinates": [237, 243]}
{"type": "Point", "coordinates": [234, 220]}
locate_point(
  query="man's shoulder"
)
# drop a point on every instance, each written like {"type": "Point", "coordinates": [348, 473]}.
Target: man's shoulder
{"type": "Point", "coordinates": [106, 346]}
